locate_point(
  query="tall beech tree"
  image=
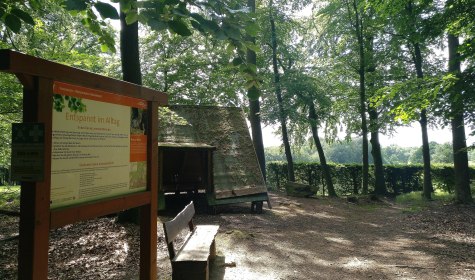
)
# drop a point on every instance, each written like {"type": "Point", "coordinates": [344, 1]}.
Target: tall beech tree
{"type": "Point", "coordinates": [374, 123]}
{"type": "Point", "coordinates": [355, 14]}
{"type": "Point", "coordinates": [131, 72]}
{"type": "Point", "coordinates": [462, 175]}
{"type": "Point", "coordinates": [312, 101]}
{"type": "Point", "coordinates": [460, 22]}
{"type": "Point", "coordinates": [278, 93]}
{"type": "Point", "coordinates": [254, 104]}
{"type": "Point", "coordinates": [412, 30]}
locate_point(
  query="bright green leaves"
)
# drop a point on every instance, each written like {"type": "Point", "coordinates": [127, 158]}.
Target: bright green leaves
{"type": "Point", "coordinates": [231, 24]}
{"type": "Point", "coordinates": [87, 10]}
{"type": "Point", "coordinates": [104, 9]}
{"type": "Point", "coordinates": [232, 31]}
{"type": "Point", "coordinates": [252, 29]}
{"type": "Point", "coordinates": [253, 83]}
{"type": "Point", "coordinates": [131, 17]}
{"type": "Point", "coordinates": [249, 72]}
{"type": "Point", "coordinates": [13, 15]}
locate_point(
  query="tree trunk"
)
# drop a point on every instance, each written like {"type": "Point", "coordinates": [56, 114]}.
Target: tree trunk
{"type": "Point", "coordinates": [129, 51]}
{"type": "Point", "coordinates": [278, 93]}
{"type": "Point", "coordinates": [312, 117]}
{"type": "Point", "coordinates": [462, 175]}
{"type": "Point", "coordinates": [427, 187]}
{"type": "Point", "coordinates": [254, 108]}
{"type": "Point", "coordinates": [129, 54]}
{"type": "Point", "coordinates": [358, 25]}
{"type": "Point", "coordinates": [379, 185]}
{"type": "Point", "coordinates": [256, 131]}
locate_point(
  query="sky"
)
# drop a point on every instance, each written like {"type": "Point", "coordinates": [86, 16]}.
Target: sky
{"type": "Point", "coordinates": [404, 137]}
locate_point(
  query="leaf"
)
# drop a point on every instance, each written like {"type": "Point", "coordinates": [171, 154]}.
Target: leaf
{"type": "Point", "coordinates": [211, 25]}
{"type": "Point", "coordinates": [106, 10]}
{"type": "Point", "coordinates": [171, 2]}
{"type": "Point", "coordinates": [230, 48]}
{"type": "Point", "coordinates": [131, 17]}
{"type": "Point", "coordinates": [35, 4]}
{"type": "Point", "coordinates": [232, 32]}
{"type": "Point", "coordinates": [157, 25]}
{"type": "Point", "coordinates": [237, 61]}
{"type": "Point", "coordinates": [198, 17]}
{"type": "Point", "coordinates": [220, 35]}
{"type": "Point", "coordinates": [196, 25]}
{"type": "Point", "coordinates": [179, 27]}
{"type": "Point", "coordinates": [181, 11]}
{"type": "Point", "coordinates": [252, 29]}
{"type": "Point", "coordinates": [13, 22]}
{"type": "Point", "coordinates": [253, 47]}
{"type": "Point", "coordinates": [104, 48]}
{"type": "Point", "coordinates": [125, 5]}
{"type": "Point", "coordinates": [23, 16]}
{"type": "Point", "coordinates": [142, 18]}
{"type": "Point", "coordinates": [249, 68]}
{"type": "Point", "coordinates": [77, 5]}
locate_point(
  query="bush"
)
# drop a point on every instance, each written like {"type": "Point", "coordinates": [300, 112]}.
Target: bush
{"type": "Point", "coordinates": [347, 177]}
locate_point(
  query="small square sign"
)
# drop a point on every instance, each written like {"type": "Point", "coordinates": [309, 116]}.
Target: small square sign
{"type": "Point", "coordinates": [28, 141]}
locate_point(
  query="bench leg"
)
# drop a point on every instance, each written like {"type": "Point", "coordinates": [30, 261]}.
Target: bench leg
{"type": "Point", "coordinates": [190, 270]}
{"type": "Point", "coordinates": [212, 251]}
{"type": "Point", "coordinates": [256, 207]}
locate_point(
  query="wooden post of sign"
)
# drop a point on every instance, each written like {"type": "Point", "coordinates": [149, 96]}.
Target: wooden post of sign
{"type": "Point", "coordinates": [148, 213]}
{"type": "Point", "coordinates": [35, 196]}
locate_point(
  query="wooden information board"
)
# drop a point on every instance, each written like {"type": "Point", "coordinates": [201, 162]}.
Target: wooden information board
{"type": "Point", "coordinates": [83, 117]}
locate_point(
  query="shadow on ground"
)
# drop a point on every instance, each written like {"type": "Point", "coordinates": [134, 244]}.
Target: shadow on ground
{"type": "Point", "coordinates": [300, 238]}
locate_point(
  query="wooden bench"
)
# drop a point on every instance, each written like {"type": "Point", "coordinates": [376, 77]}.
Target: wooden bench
{"type": "Point", "coordinates": [191, 260]}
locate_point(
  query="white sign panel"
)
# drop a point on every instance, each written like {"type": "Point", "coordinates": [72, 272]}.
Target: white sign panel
{"type": "Point", "coordinates": [98, 145]}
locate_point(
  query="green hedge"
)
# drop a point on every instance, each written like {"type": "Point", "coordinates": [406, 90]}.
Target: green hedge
{"type": "Point", "coordinates": [347, 177]}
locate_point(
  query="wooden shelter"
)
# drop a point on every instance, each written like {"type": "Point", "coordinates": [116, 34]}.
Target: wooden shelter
{"type": "Point", "coordinates": [208, 148]}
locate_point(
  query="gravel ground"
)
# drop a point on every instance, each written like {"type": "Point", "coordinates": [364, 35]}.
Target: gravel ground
{"type": "Point", "coordinates": [299, 238]}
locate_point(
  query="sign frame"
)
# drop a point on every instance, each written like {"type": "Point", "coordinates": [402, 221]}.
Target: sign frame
{"type": "Point", "coordinates": [36, 216]}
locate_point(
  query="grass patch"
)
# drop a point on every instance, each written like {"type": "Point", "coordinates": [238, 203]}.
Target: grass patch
{"type": "Point", "coordinates": [10, 197]}
{"type": "Point", "coordinates": [414, 201]}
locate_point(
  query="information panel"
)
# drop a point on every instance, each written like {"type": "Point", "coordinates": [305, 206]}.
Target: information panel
{"type": "Point", "coordinates": [28, 143]}
{"type": "Point", "coordinates": [99, 145]}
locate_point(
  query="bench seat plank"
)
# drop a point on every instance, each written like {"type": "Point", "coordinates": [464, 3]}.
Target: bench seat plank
{"type": "Point", "coordinates": [197, 246]}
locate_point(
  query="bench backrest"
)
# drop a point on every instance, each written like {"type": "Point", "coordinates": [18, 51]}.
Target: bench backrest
{"type": "Point", "coordinates": [173, 227]}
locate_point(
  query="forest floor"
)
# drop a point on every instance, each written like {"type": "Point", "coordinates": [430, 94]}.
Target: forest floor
{"type": "Point", "coordinates": [299, 238]}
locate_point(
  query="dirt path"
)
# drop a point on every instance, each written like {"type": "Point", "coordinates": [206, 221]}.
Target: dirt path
{"type": "Point", "coordinates": [331, 239]}
{"type": "Point", "coordinates": [298, 239]}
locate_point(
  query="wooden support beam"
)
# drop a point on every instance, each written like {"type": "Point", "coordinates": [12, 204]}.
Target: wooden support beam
{"type": "Point", "coordinates": [18, 63]}
{"type": "Point", "coordinates": [35, 196]}
{"type": "Point", "coordinates": [68, 215]}
{"type": "Point", "coordinates": [148, 213]}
